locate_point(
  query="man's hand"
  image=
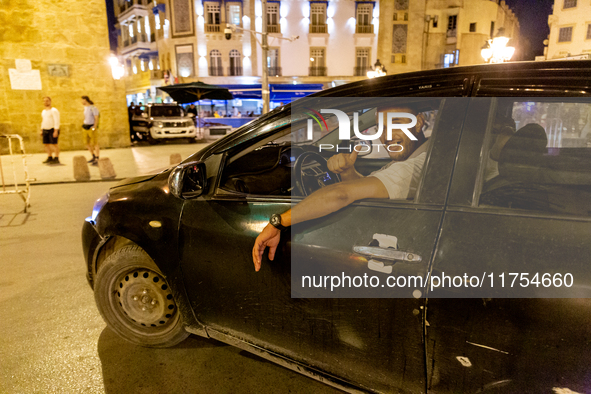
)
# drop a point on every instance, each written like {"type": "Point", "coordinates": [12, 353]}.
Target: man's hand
{"type": "Point", "coordinates": [55, 133]}
{"type": "Point", "coordinates": [270, 237]}
{"type": "Point", "coordinates": [344, 164]}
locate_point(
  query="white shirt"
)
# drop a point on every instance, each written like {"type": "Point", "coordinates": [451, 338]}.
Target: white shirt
{"type": "Point", "coordinates": [51, 119]}
{"type": "Point", "coordinates": [401, 178]}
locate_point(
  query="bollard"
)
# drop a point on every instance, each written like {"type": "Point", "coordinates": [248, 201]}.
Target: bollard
{"type": "Point", "coordinates": [106, 168]}
{"type": "Point", "coordinates": [175, 159]}
{"type": "Point", "coordinates": [81, 171]}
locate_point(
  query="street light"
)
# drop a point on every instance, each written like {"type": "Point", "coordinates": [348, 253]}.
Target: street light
{"type": "Point", "coordinates": [117, 68]}
{"type": "Point", "coordinates": [231, 28]}
{"type": "Point", "coordinates": [378, 70]}
{"type": "Point", "coordinates": [496, 50]}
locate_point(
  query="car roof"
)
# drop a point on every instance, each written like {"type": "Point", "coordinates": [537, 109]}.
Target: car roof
{"type": "Point", "coordinates": [467, 80]}
{"type": "Point", "coordinates": [496, 80]}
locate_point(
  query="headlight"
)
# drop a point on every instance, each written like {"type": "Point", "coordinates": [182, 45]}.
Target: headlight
{"type": "Point", "coordinates": [157, 123]}
{"type": "Point", "coordinates": [98, 205]}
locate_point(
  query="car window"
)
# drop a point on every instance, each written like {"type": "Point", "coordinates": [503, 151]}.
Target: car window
{"type": "Point", "coordinates": [537, 156]}
{"type": "Point", "coordinates": [166, 111]}
{"type": "Point", "coordinates": [269, 167]}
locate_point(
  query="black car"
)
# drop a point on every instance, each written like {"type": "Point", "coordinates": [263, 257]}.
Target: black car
{"type": "Point", "coordinates": [170, 254]}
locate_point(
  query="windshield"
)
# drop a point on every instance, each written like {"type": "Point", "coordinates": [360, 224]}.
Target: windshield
{"type": "Point", "coordinates": [166, 111]}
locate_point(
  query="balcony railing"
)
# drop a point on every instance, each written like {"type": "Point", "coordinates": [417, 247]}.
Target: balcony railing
{"type": "Point", "coordinates": [451, 33]}
{"type": "Point", "coordinates": [317, 71]}
{"type": "Point", "coordinates": [361, 71]}
{"type": "Point", "coordinates": [216, 71]}
{"type": "Point", "coordinates": [274, 71]}
{"type": "Point", "coordinates": [318, 28]}
{"type": "Point", "coordinates": [364, 29]}
{"type": "Point", "coordinates": [234, 71]}
{"type": "Point", "coordinates": [128, 4]}
{"type": "Point", "coordinates": [134, 39]}
{"type": "Point", "coordinates": [273, 28]}
{"type": "Point", "coordinates": [213, 28]}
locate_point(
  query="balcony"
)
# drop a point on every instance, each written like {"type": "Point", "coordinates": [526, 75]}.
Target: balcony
{"type": "Point", "coordinates": [216, 71]}
{"type": "Point", "coordinates": [213, 28]}
{"type": "Point", "coordinates": [364, 29]}
{"type": "Point", "coordinates": [274, 29]}
{"type": "Point", "coordinates": [317, 71]}
{"type": "Point", "coordinates": [321, 29]}
{"type": "Point", "coordinates": [451, 36]}
{"type": "Point", "coordinates": [128, 10]}
{"type": "Point", "coordinates": [136, 43]}
{"type": "Point", "coordinates": [274, 71]}
{"type": "Point", "coordinates": [361, 71]}
{"type": "Point", "coordinates": [234, 71]}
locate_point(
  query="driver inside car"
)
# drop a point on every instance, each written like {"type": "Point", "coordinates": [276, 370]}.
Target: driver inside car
{"type": "Point", "coordinates": [396, 180]}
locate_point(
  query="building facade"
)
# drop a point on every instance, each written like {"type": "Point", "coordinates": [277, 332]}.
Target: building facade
{"type": "Point", "coordinates": [425, 34]}
{"type": "Point", "coordinates": [170, 41]}
{"type": "Point", "coordinates": [570, 29]}
{"type": "Point", "coordinates": [45, 53]}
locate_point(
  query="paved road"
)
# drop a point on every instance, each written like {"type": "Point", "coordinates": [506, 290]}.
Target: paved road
{"type": "Point", "coordinates": [53, 340]}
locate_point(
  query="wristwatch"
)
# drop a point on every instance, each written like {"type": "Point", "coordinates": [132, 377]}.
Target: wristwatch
{"type": "Point", "coordinates": [276, 222]}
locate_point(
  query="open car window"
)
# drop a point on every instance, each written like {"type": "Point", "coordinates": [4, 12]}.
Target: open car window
{"type": "Point", "coordinates": [537, 156]}
{"type": "Point", "coordinates": [270, 167]}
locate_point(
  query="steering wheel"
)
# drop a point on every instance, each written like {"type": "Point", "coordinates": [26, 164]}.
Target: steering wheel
{"type": "Point", "coordinates": [323, 178]}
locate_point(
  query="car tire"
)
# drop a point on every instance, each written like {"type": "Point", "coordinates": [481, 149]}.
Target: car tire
{"type": "Point", "coordinates": [191, 140]}
{"type": "Point", "coordinates": [136, 302]}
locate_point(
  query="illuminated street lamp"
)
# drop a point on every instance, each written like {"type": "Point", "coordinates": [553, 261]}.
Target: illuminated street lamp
{"type": "Point", "coordinates": [378, 70]}
{"type": "Point", "coordinates": [117, 68]}
{"type": "Point", "coordinates": [496, 49]}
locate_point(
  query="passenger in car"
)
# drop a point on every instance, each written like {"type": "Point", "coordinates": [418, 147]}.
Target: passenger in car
{"type": "Point", "coordinates": [396, 180]}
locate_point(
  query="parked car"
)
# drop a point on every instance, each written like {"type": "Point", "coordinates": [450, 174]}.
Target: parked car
{"type": "Point", "coordinates": [170, 254]}
{"type": "Point", "coordinates": [159, 122]}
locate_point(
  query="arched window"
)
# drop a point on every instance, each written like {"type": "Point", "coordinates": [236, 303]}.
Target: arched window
{"type": "Point", "coordinates": [215, 63]}
{"type": "Point", "coordinates": [235, 63]}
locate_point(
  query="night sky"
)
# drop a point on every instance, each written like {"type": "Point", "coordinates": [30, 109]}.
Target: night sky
{"type": "Point", "coordinates": [532, 16]}
{"type": "Point", "coordinates": [533, 23]}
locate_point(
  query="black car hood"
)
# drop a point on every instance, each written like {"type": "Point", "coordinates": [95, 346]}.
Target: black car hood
{"type": "Point", "coordinates": [137, 179]}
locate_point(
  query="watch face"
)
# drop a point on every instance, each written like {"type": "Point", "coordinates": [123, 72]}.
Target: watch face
{"type": "Point", "coordinates": [276, 220]}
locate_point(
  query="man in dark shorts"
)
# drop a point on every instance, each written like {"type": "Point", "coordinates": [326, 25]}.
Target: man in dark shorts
{"type": "Point", "coordinates": [50, 130]}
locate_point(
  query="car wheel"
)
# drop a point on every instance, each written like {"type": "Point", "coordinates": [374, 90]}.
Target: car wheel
{"type": "Point", "coordinates": [191, 140]}
{"type": "Point", "coordinates": [136, 302]}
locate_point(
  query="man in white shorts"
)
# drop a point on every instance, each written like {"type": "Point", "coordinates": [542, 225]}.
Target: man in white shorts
{"type": "Point", "coordinates": [50, 131]}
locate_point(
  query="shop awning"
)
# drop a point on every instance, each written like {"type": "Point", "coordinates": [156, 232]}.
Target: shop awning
{"type": "Point", "coordinates": [279, 92]}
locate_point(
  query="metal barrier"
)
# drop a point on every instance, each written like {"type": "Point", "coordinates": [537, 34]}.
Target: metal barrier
{"type": "Point", "coordinates": [25, 193]}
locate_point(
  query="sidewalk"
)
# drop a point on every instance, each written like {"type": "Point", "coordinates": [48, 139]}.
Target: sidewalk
{"type": "Point", "coordinates": [127, 162]}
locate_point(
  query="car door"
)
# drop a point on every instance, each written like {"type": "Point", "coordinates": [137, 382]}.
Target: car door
{"type": "Point", "coordinates": [370, 342]}
{"type": "Point", "coordinates": [526, 220]}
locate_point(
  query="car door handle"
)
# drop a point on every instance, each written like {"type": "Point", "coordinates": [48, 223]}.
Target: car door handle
{"type": "Point", "coordinates": [387, 254]}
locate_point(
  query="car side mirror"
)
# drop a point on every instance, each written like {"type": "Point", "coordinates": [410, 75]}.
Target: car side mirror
{"type": "Point", "coordinates": [191, 115]}
{"type": "Point", "coordinates": [188, 180]}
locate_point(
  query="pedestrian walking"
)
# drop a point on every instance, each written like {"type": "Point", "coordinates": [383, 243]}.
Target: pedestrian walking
{"type": "Point", "coordinates": [50, 131]}
{"type": "Point", "coordinates": [90, 126]}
